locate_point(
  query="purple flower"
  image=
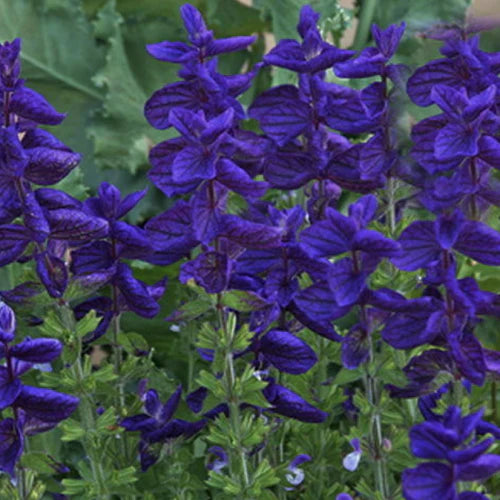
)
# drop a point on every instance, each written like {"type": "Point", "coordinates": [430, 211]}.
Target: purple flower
{"type": "Point", "coordinates": [286, 402]}
{"type": "Point", "coordinates": [425, 243]}
{"type": "Point", "coordinates": [285, 351]}
{"type": "Point", "coordinates": [203, 45]}
{"type": "Point", "coordinates": [313, 55]}
{"type": "Point", "coordinates": [157, 425]}
{"type": "Point", "coordinates": [372, 60]}
{"type": "Point", "coordinates": [351, 461]}
{"type": "Point", "coordinates": [339, 234]}
{"type": "Point", "coordinates": [295, 475]}
{"type": "Point", "coordinates": [51, 220]}
{"type": "Point", "coordinates": [35, 410]}
{"type": "Point", "coordinates": [220, 461]}
{"type": "Point", "coordinates": [203, 87]}
{"type": "Point", "coordinates": [446, 440]}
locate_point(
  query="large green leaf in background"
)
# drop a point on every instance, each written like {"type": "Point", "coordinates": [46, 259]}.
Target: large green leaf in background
{"type": "Point", "coordinates": [422, 14]}
{"type": "Point", "coordinates": [119, 129]}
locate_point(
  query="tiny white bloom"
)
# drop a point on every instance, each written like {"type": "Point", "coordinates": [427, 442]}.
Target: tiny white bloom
{"type": "Point", "coordinates": [295, 476]}
{"type": "Point", "coordinates": [351, 461]}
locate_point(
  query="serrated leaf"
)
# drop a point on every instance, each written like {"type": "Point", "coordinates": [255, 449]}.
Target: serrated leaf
{"type": "Point", "coordinates": [191, 310]}
{"type": "Point", "coordinates": [104, 374]}
{"type": "Point", "coordinates": [38, 462]}
{"type": "Point", "coordinates": [243, 301]}
{"type": "Point", "coordinates": [122, 137]}
{"type": "Point", "coordinates": [265, 475]}
{"type": "Point", "coordinates": [133, 342]}
{"type": "Point", "coordinates": [345, 376]}
{"type": "Point", "coordinates": [72, 430]}
{"type": "Point", "coordinates": [74, 486]}
{"type": "Point", "coordinates": [87, 324]}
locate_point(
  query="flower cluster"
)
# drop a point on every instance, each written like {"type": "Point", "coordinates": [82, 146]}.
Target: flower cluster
{"type": "Point", "coordinates": [288, 223]}
{"type": "Point", "coordinates": [157, 425]}
{"type": "Point", "coordinates": [34, 410]}
{"type": "Point", "coordinates": [52, 221]}
{"type": "Point", "coordinates": [448, 440]}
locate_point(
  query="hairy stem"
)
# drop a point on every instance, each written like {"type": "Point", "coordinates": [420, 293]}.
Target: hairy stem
{"type": "Point", "coordinates": [494, 402]}
{"type": "Point", "coordinates": [391, 205]}
{"type": "Point", "coordinates": [86, 408]}
{"type": "Point", "coordinates": [376, 436]}
{"type": "Point", "coordinates": [238, 450]}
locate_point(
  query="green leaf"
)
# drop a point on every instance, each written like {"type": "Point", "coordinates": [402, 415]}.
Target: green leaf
{"type": "Point", "coordinates": [74, 486]}
{"type": "Point", "coordinates": [38, 462]}
{"type": "Point", "coordinates": [42, 53]}
{"type": "Point", "coordinates": [208, 380]}
{"type": "Point", "coordinates": [107, 421]}
{"type": "Point", "coordinates": [265, 476]}
{"type": "Point", "coordinates": [192, 310]}
{"type": "Point", "coordinates": [345, 376]}
{"type": "Point", "coordinates": [243, 301]}
{"type": "Point", "coordinates": [87, 324]}
{"type": "Point", "coordinates": [104, 374]}
{"type": "Point", "coordinates": [230, 18]}
{"type": "Point", "coordinates": [122, 137]}
{"type": "Point", "coordinates": [421, 15]}
{"type": "Point", "coordinates": [72, 430]}
{"type": "Point", "coordinates": [133, 342]}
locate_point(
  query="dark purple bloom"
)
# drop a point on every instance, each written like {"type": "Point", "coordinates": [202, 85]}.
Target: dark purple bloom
{"type": "Point", "coordinates": [35, 410]}
{"type": "Point", "coordinates": [203, 43]}
{"type": "Point", "coordinates": [158, 425]}
{"type": "Point", "coordinates": [203, 88]}
{"type": "Point", "coordinates": [446, 440]}
{"type": "Point", "coordinates": [295, 475]}
{"type": "Point", "coordinates": [210, 269]}
{"type": "Point", "coordinates": [313, 55]}
{"type": "Point", "coordinates": [372, 60]}
{"type": "Point", "coordinates": [220, 461]}
{"type": "Point", "coordinates": [339, 234]}
{"type": "Point", "coordinates": [424, 242]}
{"type": "Point", "coordinates": [286, 402]}
{"type": "Point", "coordinates": [343, 496]}
{"type": "Point", "coordinates": [286, 352]}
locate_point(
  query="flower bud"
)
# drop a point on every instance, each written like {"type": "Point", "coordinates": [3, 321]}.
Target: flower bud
{"type": "Point", "coordinates": [386, 444]}
{"type": "Point", "coordinates": [7, 323]}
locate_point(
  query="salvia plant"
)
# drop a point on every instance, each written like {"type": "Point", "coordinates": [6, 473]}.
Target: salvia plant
{"type": "Point", "coordinates": [292, 292]}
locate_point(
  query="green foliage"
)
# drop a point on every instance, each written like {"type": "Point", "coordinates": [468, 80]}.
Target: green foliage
{"type": "Point", "coordinates": [422, 15]}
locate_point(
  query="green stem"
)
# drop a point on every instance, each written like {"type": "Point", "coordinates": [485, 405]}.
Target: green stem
{"type": "Point", "coordinates": [117, 352]}
{"type": "Point", "coordinates": [457, 392]}
{"type": "Point", "coordinates": [120, 394]}
{"type": "Point", "coordinates": [21, 483]}
{"type": "Point", "coordinates": [494, 402]}
{"type": "Point", "coordinates": [86, 407]}
{"type": "Point", "coordinates": [391, 205]}
{"type": "Point", "coordinates": [238, 450]}
{"type": "Point", "coordinates": [376, 436]}
{"type": "Point", "coordinates": [365, 22]}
